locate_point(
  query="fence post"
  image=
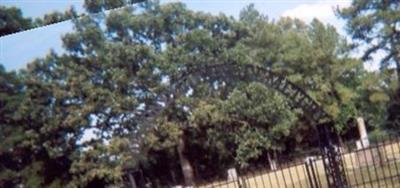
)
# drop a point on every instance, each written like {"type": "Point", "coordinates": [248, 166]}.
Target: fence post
{"type": "Point", "coordinates": [310, 175]}
{"type": "Point", "coordinates": [331, 158]}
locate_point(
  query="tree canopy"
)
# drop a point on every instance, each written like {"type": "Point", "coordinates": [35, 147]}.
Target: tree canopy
{"type": "Point", "coordinates": [82, 117]}
{"type": "Point", "coordinates": [376, 24]}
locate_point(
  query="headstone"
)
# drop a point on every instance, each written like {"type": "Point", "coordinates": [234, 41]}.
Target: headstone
{"type": "Point", "coordinates": [232, 174]}
{"type": "Point", "coordinates": [309, 159]}
{"type": "Point", "coordinates": [273, 165]}
{"type": "Point", "coordinates": [362, 130]}
{"type": "Point", "coordinates": [366, 155]}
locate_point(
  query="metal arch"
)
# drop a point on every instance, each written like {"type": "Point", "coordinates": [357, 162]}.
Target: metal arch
{"type": "Point", "coordinates": [249, 72]}
{"type": "Point", "coordinates": [254, 73]}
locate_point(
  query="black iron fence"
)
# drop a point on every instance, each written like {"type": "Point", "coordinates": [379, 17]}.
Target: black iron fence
{"type": "Point", "coordinates": [370, 165]}
{"type": "Point", "coordinates": [375, 164]}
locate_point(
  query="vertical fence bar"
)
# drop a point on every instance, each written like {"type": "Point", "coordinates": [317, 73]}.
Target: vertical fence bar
{"type": "Point", "coordinates": [269, 178]}
{"type": "Point", "coordinates": [261, 175]}
{"type": "Point", "coordinates": [380, 163]}
{"type": "Point", "coordinates": [309, 175]}
{"type": "Point", "coordinates": [358, 163]}
{"type": "Point", "coordinates": [246, 180]}
{"type": "Point", "coordinates": [290, 174]}
{"type": "Point", "coordinates": [398, 147]}
{"type": "Point", "coordinates": [343, 155]}
{"type": "Point", "coordinates": [373, 162]}
{"type": "Point", "coordinates": [276, 177]}
{"type": "Point", "coordinates": [283, 175]}
{"type": "Point", "coordinates": [234, 182]}
{"type": "Point", "coordinates": [333, 163]}
{"type": "Point", "coordinates": [394, 157]}
{"type": "Point", "coordinates": [238, 182]}
{"type": "Point", "coordinates": [387, 161]}
{"type": "Point", "coordinates": [254, 177]}
{"type": "Point", "coordinates": [367, 166]}
{"type": "Point", "coordinates": [297, 173]}
{"type": "Point", "coordinates": [306, 175]}
{"type": "Point", "coordinates": [242, 179]}
{"type": "Point", "coordinates": [355, 164]}
{"type": "Point", "coordinates": [315, 173]}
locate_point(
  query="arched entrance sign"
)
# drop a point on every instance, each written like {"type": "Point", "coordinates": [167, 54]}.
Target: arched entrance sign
{"type": "Point", "coordinates": [298, 97]}
{"type": "Point", "coordinates": [253, 73]}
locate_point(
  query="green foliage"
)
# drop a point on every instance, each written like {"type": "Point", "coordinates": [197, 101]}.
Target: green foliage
{"type": "Point", "coordinates": [96, 6]}
{"type": "Point", "coordinates": [118, 66]}
{"type": "Point", "coordinates": [11, 93]}
{"type": "Point", "coordinates": [259, 120]}
{"type": "Point", "coordinates": [55, 17]}
{"type": "Point", "coordinates": [11, 20]}
{"type": "Point", "coordinates": [393, 120]}
{"type": "Point", "coordinates": [375, 24]}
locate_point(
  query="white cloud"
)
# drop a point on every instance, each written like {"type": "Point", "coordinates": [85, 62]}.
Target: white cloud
{"type": "Point", "coordinates": [322, 10]}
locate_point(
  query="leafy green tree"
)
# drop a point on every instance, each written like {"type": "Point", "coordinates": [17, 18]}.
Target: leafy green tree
{"type": "Point", "coordinates": [11, 159]}
{"type": "Point", "coordinates": [118, 67]}
{"type": "Point", "coordinates": [97, 86]}
{"type": "Point", "coordinates": [375, 24]}
{"type": "Point", "coordinates": [313, 56]}
{"type": "Point", "coordinates": [12, 20]}
{"type": "Point", "coordinates": [393, 119]}
{"type": "Point", "coordinates": [96, 6]}
{"type": "Point", "coordinates": [260, 121]}
{"type": "Point", "coordinates": [107, 79]}
{"type": "Point", "coordinates": [55, 17]}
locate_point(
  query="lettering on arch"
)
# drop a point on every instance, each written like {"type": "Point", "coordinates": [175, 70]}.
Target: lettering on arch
{"type": "Point", "coordinates": [254, 73]}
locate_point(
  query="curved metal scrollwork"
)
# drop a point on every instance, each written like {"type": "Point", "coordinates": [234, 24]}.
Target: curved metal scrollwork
{"type": "Point", "coordinates": [254, 73]}
{"type": "Point", "coordinates": [297, 96]}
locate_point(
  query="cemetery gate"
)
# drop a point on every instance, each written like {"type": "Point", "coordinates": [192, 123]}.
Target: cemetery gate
{"type": "Point", "coordinates": [329, 161]}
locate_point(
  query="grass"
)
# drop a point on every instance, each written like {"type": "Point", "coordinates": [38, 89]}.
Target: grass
{"type": "Point", "coordinates": [382, 171]}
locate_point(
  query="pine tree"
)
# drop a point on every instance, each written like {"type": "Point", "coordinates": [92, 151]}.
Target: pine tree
{"type": "Point", "coordinates": [375, 24]}
{"type": "Point", "coordinates": [12, 20]}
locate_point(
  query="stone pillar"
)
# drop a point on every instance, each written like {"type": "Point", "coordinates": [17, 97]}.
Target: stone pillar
{"type": "Point", "coordinates": [362, 130]}
{"type": "Point", "coordinates": [233, 177]}
{"type": "Point", "coordinates": [232, 174]}
{"type": "Point", "coordinates": [272, 163]}
{"type": "Point", "coordinates": [366, 155]}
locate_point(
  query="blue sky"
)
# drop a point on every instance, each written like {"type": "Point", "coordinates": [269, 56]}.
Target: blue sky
{"type": "Point", "coordinates": [18, 49]}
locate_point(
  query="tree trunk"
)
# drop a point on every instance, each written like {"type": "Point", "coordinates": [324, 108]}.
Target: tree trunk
{"type": "Point", "coordinates": [132, 180]}
{"type": "Point", "coordinates": [397, 61]}
{"type": "Point", "coordinates": [398, 73]}
{"type": "Point", "coordinates": [187, 169]}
